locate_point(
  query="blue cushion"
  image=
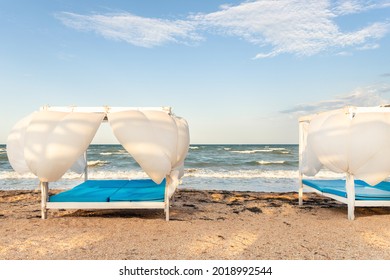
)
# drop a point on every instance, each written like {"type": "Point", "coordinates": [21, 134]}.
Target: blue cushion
{"type": "Point", "coordinates": [363, 191]}
{"type": "Point", "coordinates": [113, 190]}
{"type": "Point", "coordinates": [140, 190]}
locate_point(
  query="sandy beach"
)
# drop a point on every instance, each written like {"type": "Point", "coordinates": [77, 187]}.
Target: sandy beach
{"type": "Point", "coordinates": [205, 225]}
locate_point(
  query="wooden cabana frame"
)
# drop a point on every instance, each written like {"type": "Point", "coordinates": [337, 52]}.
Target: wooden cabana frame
{"type": "Point", "coordinates": [104, 111]}
{"type": "Point", "coordinates": [349, 182]}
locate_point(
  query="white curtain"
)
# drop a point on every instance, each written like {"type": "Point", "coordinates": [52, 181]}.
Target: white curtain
{"type": "Point", "coordinates": [51, 142]}
{"type": "Point", "coordinates": [309, 164]}
{"type": "Point", "coordinates": [353, 143]}
{"type": "Point", "coordinates": [48, 143]}
{"type": "Point", "coordinates": [15, 145]}
{"type": "Point", "coordinates": [151, 138]}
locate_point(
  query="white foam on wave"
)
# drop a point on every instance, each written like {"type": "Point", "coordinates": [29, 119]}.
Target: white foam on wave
{"type": "Point", "coordinates": [12, 175]}
{"type": "Point", "coordinates": [93, 163]}
{"type": "Point", "coordinates": [194, 147]}
{"type": "Point", "coordinates": [131, 174]}
{"type": "Point", "coordinates": [106, 154]}
{"type": "Point", "coordinates": [121, 152]}
{"type": "Point", "coordinates": [198, 173]}
{"type": "Point", "coordinates": [266, 150]}
{"type": "Point", "coordinates": [257, 174]}
{"type": "Point", "coordinates": [252, 151]}
{"type": "Point", "coordinates": [264, 162]}
{"type": "Point", "coordinates": [243, 174]}
{"type": "Point", "coordinates": [6, 175]}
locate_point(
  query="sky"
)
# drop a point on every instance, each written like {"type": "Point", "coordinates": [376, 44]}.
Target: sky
{"type": "Point", "coordinates": [239, 72]}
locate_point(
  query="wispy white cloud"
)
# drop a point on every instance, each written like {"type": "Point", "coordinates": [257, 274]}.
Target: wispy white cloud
{"type": "Point", "coordinates": [139, 31]}
{"type": "Point", "coordinates": [298, 27]}
{"type": "Point", "coordinates": [365, 96]}
{"type": "Point", "coordinates": [345, 7]}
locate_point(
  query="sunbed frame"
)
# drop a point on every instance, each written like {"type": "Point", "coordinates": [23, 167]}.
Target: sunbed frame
{"type": "Point", "coordinates": [45, 204]}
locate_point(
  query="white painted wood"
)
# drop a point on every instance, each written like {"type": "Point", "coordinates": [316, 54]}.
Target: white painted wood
{"type": "Point", "coordinates": [351, 109]}
{"type": "Point", "coordinates": [350, 188]}
{"type": "Point", "coordinates": [102, 109]}
{"type": "Point", "coordinates": [44, 197]}
{"type": "Point", "coordinates": [166, 199]}
{"type": "Point", "coordinates": [300, 151]}
{"type": "Point", "coordinates": [106, 205]}
{"type": "Point", "coordinates": [113, 205]}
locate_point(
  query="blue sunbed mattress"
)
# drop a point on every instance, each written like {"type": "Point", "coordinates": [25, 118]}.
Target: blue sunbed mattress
{"type": "Point", "coordinates": [113, 190]}
{"type": "Point", "coordinates": [363, 191]}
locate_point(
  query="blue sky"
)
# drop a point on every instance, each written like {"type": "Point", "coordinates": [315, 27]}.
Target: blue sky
{"type": "Point", "coordinates": [237, 71]}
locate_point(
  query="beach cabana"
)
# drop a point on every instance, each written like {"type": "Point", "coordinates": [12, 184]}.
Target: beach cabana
{"type": "Point", "coordinates": [354, 141]}
{"type": "Point", "coordinates": [53, 140]}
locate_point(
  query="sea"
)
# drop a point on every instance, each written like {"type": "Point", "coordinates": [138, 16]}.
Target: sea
{"type": "Point", "coordinates": [262, 168]}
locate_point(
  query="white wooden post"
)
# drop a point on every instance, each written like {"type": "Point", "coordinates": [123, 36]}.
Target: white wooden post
{"type": "Point", "coordinates": [300, 191]}
{"type": "Point", "coordinates": [44, 197]}
{"type": "Point", "coordinates": [350, 188]}
{"type": "Point", "coordinates": [301, 142]}
{"type": "Point", "coordinates": [86, 167]}
{"type": "Point", "coordinates": [166, 200]}
{"type": "Point", "coordinates": [167, 210]}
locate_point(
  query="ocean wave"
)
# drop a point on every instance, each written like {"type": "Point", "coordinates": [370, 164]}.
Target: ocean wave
{"type": "Point", "coordinates": [268, 150]}
{"type": "Point", "coordinates": [131, 174]}
{"type": "Point", "coordinates": [94, 163]}
{"type": "Point", "coordinates": [6, 175]}
{"type": "Point", "coordinates": [252, 151]}
{"type": "Point", "coordinates": [264, 162]}
{"type": "Point", "coordinates": [227, 149]}
{"type": "Point", "coordinates": [243, 174]}
{"type": "Point", "coordinates": [122, 152]}
{"type": "Point", "coordinates": [275, 162]}
{"type": "Point", "coordinates": [194, 148]}
{"type": "Point", "coordinates": [105, 154]}
{"type": "Point", "coordinates": [256, 174]}
{"type": "Point", "coordinates": [191, 172]}
{"type": "Point", "coordinates": [136, 174]}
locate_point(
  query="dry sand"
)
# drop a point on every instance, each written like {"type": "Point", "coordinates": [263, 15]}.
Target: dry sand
{"type": "Point", "coordinates": [205, 225]}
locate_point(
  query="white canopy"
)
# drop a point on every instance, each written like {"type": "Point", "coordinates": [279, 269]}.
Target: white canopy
{"type": "Point", "coordinates": [352, 140]}
{"type": "Point", "coordinates": [53, 140]}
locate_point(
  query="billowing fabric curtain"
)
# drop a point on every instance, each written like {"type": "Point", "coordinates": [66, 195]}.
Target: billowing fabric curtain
{"type": "Point", "coordinates": [353, 143]}
{"type": "Point", "coordinates": [183, 144]}
{"type": "Point", "coordinates": [157, 141]}
{"type": "Point", "coordinates": [49, 143]}
{"type": "Point", "coordinates": [15, 145]}
{"type": "Point", "coordinates": [309, 164]}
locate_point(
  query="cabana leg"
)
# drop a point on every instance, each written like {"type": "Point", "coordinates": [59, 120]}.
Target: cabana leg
{"type": "Point", "coordinates": [166, 198]}
{"type": "Point", "coordinates": [44, 197]}
{"type": "Point", "coordinates": [300, 192]}
{"type": "Point", "coordinates": [166, 210]}
{"type": "Point", "coordinates": [350, 187]}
